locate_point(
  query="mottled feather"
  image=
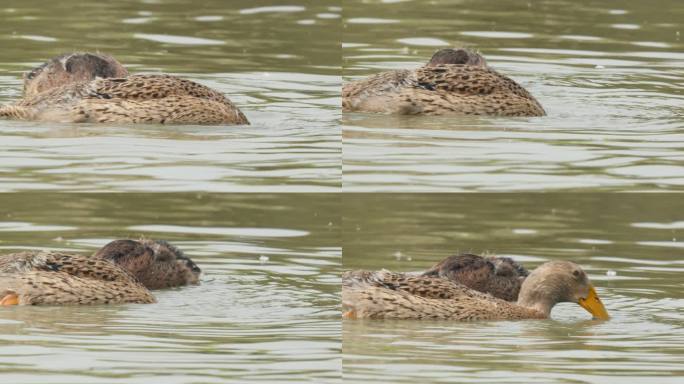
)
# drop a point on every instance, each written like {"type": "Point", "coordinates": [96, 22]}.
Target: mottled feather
{"type": "Point", "coordinates": [57, 278]}
{"type": "Point", "coordinates": [442, 89]}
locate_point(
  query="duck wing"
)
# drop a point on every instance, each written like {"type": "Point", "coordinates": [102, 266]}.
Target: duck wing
{"type": "Point", "coordinates": [162, 99]}
{"type": "Point", "coordinates": [425, 286]}
{"type": "Point", "coordinates": [466, 79]}
{"type": "Point", "coordinates": [143, 87]}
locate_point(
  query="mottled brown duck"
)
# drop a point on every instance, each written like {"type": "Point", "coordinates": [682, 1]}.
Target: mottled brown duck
{"type": "Point", "coordinates": [95, 88]}
{"type": "Point", "coordinates": [431, 297]}
{"type": "Point", "coordinates": [123, 271]}
{"type": "Point", "coordinates": [453, 82]}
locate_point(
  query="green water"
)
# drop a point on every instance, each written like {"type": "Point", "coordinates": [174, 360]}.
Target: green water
{"type": "Point", "coordinates": [630, 245]}
{"type": "Point", "coordinates": [266, 309]}
{"type": "Point", "coordinates": [252, 52]}
{"type": "Point", "coordinates": [609, 74]}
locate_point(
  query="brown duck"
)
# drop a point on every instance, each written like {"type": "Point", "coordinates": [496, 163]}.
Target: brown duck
{"type": "Point", "coordinates": [431, 297]}
{"type": "Point", "coordinates": [95, 88]}
{"type": "Point", "coordinates": [123, 271]}
{"type": "Point", "coordinates": [454, 82]}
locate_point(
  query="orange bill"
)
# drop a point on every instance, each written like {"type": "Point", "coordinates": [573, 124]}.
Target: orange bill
{"type": "Point", "coordinates": [593, 304]}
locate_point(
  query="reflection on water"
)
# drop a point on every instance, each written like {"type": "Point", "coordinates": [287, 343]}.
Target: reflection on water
{"type": "Point", "coordinates": [288, 90]}
{"type": "Point", "coordinates": [266, 309]}
{"type": "Point", "coordinates": [630, 245]}
{"type": "Point", "coordinates": [609, 76]}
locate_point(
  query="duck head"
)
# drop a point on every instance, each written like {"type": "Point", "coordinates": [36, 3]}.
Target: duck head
{"type": "Point", "coordinates": [71, 68]}
{"type": "Point", "coordinates": [457, 56]}
{"type": "Point", "coordinates": [155, 263]}
{"type": "Point", "coordinates": [560, 281]}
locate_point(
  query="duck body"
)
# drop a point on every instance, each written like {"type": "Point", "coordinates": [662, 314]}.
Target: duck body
{"type": "Point", "coordinates": [73, 89]}
{"type": "Point", "coordinates": [388, 295]}
{"type": "Point", "coordinates": [454, 82]}
{"type": "Point", "coordinates": [123, 271]}
{"type": "Point", "coordinates": [55, 278]}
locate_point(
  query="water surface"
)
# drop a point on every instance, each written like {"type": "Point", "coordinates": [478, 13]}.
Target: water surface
{"type": "Point", "coordinates": [630, 245]}
{"type": "Point", "coordinates": [609, 74]}
{"type": "Point", "coordinates": [251, 52]}
{"type": "Point", "coordinates": [267, 308]}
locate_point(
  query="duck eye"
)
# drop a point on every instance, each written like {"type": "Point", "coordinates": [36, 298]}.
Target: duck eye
{"type": "Point", "coordinates": [576, 273]}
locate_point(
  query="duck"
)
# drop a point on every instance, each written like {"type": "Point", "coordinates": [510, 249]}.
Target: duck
{"type": "Point", "coordinates": [454, 82]}
{"type": "Point", "coordinates": [433, 298]}
{"type": "Point", "coordinates": [84, 87]}
{"type": "Point", "coordinates": [123, 271]}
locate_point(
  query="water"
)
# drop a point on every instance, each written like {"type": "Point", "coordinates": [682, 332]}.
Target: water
{"type": "Point", "coordinates": [630, 245]}
{"type": "Point", "coordinates": [267, 308]}
{"type": "Point", "coordinates": [608, 74]}
{"type": "Point", "coordinates": [288, 89]}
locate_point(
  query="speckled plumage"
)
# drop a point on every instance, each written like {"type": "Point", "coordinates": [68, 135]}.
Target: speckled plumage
{"type": "Point", "coordinates": [123, 271]}
{"type": "Point", "coordinates": [441, 87]}
{"type": "Point", "coordinates": [72, 93]}
{"type": "Point", "coordinates": [388, 295]}
{"type": "Point", "coordinates": [58, 278]}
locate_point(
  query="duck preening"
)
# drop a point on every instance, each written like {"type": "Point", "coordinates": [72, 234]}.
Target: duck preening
{"type": "Point", "coordinates": [96, 88]}
{"type": "Point", "coordinates": [123, 271]}
{"type": "Point", "coordinates": [388, 295]}
{"type": "Point", "coordinates": [453, 82]}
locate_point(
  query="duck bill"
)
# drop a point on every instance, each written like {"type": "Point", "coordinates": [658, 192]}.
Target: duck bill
{"type": "Point", "coordinates": [593, 305]}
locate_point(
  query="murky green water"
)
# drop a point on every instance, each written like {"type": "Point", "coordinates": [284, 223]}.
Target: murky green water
{"type": "Point", "coordinates": [631, 246]}
{"type": "Point", "coordinates": [608, 73]}
{"type": "Point", "coordinates": [279, 63]}
{"type": "Point", "coordinates": [252, 319]}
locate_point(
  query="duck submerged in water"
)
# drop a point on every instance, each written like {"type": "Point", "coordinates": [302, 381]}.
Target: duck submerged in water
{"type": "Point", "coordinates": [453, 82]}
{"type": "Point", "coordinates": [431, 297]}
{"type": "Point", "coordinates": [123, 271]}
{"type": "Point", "coordinates": [95, 88]}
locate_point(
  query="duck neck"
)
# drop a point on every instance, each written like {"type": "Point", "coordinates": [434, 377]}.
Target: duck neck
{"type": "Point", "coordinates": [538, 304]}
{"type": "Point", "coordinates": [539, 293]}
